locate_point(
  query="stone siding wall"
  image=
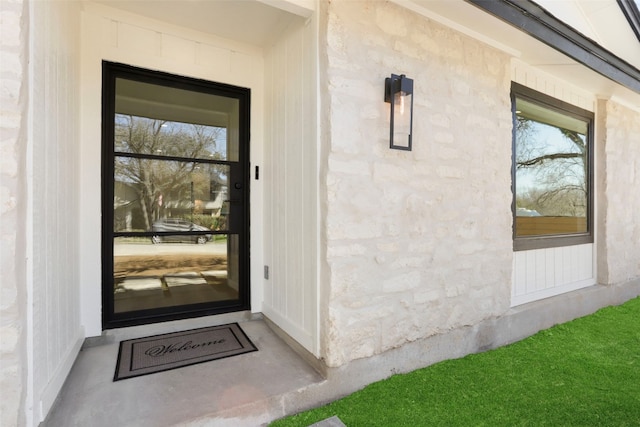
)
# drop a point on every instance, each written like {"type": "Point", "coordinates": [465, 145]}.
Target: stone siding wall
{"type": "Point", "coordinates": [13, 119]}
{"type": "Point", "coordinates": [417, 242]}
{"type": "Point", "coordinates": [620, 181]}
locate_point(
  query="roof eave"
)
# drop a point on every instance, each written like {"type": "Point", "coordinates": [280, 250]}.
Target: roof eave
{"type": "Point", "coordinates": [537, 22]}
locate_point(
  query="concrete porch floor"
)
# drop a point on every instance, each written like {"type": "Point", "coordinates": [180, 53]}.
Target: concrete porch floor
{"type": "Point", "coordinates": [255, 388]}
{"type": "Point", "coordinates": [244, 390]}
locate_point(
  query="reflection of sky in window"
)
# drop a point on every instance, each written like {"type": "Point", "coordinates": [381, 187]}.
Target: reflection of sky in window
{"type": "Point", "coordinates": [543, 140]}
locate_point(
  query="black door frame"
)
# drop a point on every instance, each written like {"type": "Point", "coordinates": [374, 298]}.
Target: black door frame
{"type": "Point", "coordinates": [110, 320]}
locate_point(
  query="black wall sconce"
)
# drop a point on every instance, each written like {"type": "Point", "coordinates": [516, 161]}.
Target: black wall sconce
{"type": "Point", "coordinates": [398, 90]}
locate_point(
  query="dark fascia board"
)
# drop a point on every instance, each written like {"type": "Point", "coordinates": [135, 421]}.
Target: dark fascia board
{"type": "Point", "coordinates": [631, 12]}
{"type": "Point", "coordinates": [536, 21]}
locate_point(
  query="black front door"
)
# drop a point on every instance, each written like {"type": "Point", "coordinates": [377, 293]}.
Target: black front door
{"type": "Point", "coordinates": [175, 197]}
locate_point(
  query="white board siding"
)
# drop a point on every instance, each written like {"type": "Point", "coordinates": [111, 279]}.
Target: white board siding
{"type": "Point", "coordinates": [55, 333]}
{"type": "Point", "coordinates": [543, 82]}
{"type": "Point", "coordinates": [290, 183]}
{"type": "Point", "coordinates": [542, 273]}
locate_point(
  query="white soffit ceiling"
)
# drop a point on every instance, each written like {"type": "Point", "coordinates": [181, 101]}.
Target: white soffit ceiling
{"type": "Point", "coordinates": [249, 21]}
{"type": "Point", "coordinates": [602, 21]}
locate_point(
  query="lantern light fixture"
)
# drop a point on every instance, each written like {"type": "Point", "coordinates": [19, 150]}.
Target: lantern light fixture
{"type": "Point", "coordinates": [398, 91]}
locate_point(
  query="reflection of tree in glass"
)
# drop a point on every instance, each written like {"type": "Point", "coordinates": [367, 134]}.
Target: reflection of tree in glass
{"type": "Point", "coordinates": [553, 162]}
{"type": "Point", "coordinates": [141, 135]}
{"type": "Point", "coordinates": [157, 182]}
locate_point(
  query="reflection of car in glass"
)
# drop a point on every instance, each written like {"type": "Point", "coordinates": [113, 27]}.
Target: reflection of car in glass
{"type": "Point", "coordinates": [174, 224]}
{"type": "Point", "coordinates": [527, 212]}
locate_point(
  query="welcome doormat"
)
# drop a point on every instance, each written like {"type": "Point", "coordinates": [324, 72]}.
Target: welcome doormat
{"type": "Point", "coordinates": [143, 356]}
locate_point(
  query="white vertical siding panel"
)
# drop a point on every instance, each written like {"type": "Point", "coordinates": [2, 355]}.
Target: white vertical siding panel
{"type": "Point", "coordinates": [591, 270]}
{"type": "Point", "coordinates": [178, 49]}
{"type": "Point", "coordinates": [282, 208]}
{"type": "Point", "coordinates": [301, 143]}
{"type": "Point", "coordinates": [290, 225]}
{"type": "Point", "coordinates": [550, 267]}
{"type": "Point", "coordinates": [530, 271]}
{"type": "Point", "coordinates": [286, 254]}
{"type": "Point", "coordinates": [277, 209]}
{"type": "Point", "coordinates": [280, 192]}
{"type": "Point", "coordinates": [295, 144]}
{"type": "Point", "coordinates": [39, 274]}
{"type": "Point", "coordinates": [310, 192]}
{"type": "Point", "coordinates": [272, 168]}
{"type": "Point", "coordinates": [514, 278]}
{"type": "Point", "coordinates": [576, 263]}
{"type": "Point", "coordinates": [307, 188]}
{"type": "Point", "coordinates": [109, 33]}
{"type": "Point", "coordinates": [580, 264]}
{"type": "Point", "coordinates": [560, 263]}
{"type": "Point", "coordinates": [138, 39]}
{"type": "Point", "coordinates": [540, 269]}
{"type": "Point", "coordinates": [56, 333]}
{"type": "Point", "coordinates": [538, 83]}
{"type": "Point", "coordinates": [48, 218]}
{"type": "Point", "coordinates": [568, 263]}
{"type": "Point", "coordinates": [558, 92]}
{"type": "Point", "coordinates": [214, 58]}
{"type": "Point", "coordinates": [517, 73]}
{"type": "Point", "coordinates": [242, 65]}
{"type": "Point", "coordinates": [564, 256]}
{"type": "Point", "coordinates": [519, 273]}
{"type": "Point", "coordinates": [568, 254]}
{"type": "Point", "coordinates": [586, 269]}
{"type": "Point", "coordinates": [54, 191]}
{"type": "Point", "coordinates": [269, 175]}
{"type": "Point", "coordinates": [541, 81]}
{"type": "Point", "coordinates": [266, 174]}
{"type": "Point", "coordinates": [542, 273]}
{"type": "Point", "coordinates": [68, 105]}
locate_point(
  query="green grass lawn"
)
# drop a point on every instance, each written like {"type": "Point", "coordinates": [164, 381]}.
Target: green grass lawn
{"type": "Point", "coordinates": [581, 373]}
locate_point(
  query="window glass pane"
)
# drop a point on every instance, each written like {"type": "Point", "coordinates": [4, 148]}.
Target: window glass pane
{"type": "Point", "coordinates": [161, 192]}
{"type": "Point", "coordinates": [551, 171]}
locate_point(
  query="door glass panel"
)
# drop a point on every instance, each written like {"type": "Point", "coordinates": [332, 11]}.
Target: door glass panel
{"type": "Point", "coordinates": [174, 273]}
{"type": "Point", "coordinates": [153, 195]}
{"type": "Point", "coordinates": [165, 121]}
{"type": "Point", "coordinates": [141, 135]}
